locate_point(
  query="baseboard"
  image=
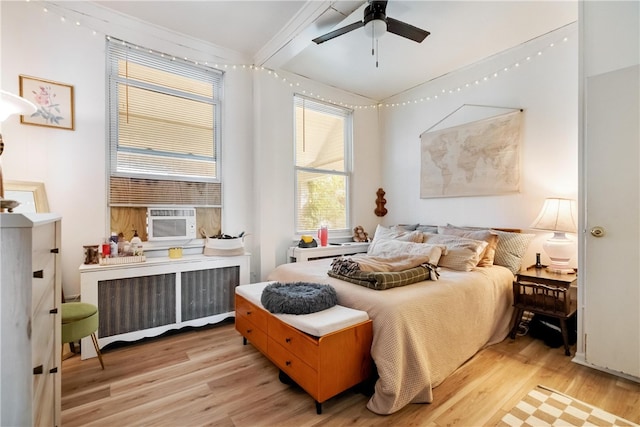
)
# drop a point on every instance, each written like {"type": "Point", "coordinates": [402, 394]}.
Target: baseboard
{"type": "Point", "coordinates": [580, 360]}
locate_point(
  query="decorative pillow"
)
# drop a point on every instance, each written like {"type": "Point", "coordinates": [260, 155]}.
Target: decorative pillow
{"type": "Point", "coordinates": [462, 254]}
{"type": "Point", "coordinates": [391, 248]}
{"type": "Point", "coordinates": [489, 236]}
{"type": "Point", "coordinates": [510, 249]}
{"type": "Point", "coordinates": [397, 234]}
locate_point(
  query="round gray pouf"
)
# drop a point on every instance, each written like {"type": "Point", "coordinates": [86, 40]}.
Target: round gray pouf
{"type": "Point", "coordinates": [298, 297]}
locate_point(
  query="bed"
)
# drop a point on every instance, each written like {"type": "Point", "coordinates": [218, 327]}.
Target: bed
{"type": "Point", "coordinates": [424, 331]}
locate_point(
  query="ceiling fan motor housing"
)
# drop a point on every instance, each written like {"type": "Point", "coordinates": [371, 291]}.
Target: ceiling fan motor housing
{"type": "Point", "coordinates": [375, 10]}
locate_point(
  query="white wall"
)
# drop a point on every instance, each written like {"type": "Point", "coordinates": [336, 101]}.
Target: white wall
{"type": "Point", "coordinates": [72, 164]}
{"type": "Point", "coordinates": [546, 87]}
{"type": "Point", "coordinates": [274, 179]}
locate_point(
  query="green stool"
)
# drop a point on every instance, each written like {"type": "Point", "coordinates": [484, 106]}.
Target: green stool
{"type": "Point", "coordinates": [80, 320]}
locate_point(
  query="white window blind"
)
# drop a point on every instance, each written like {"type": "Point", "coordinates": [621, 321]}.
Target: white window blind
{"type": "Point", "coordinates": [164, 116]}
{"type": "Point", "coordinates": [322, 164]}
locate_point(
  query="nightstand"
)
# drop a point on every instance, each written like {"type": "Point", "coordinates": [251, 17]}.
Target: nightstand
{"type": "Point", "coordinates": [540, 291]}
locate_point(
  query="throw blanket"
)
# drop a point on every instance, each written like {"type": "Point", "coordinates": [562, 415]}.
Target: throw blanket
{"type": "Point", "coordinates": [383, 273]}
{"type": "Point", "coordinates": [385, 280]}
{"type": "Point", "coordinates": [362, 262]}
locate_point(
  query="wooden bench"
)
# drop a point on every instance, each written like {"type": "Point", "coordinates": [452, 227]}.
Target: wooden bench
{"type": "Point", "coordinates": [325, 353]}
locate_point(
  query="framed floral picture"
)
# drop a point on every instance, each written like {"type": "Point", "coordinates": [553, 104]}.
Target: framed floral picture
{"type": "Point", "coordinates": [54, 102]}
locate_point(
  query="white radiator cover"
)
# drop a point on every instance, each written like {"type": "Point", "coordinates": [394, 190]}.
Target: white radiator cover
{"type": "Point", "coordinates": [150, 298]}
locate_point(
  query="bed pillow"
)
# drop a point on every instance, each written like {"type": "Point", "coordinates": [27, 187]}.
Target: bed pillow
{"type": "Point", "coordinates": [462, 254]}
{"type": "Point", "coordinates": [427, 228]}
{"type": "Point", "coordinates": [390, 248]}
{"type": "Point", "coordinates": [489, 236]}
{"type": "Point", "coordinates": [408, 227]}
{"type": "Point", "coordinates": [510, 249]}
{"type": "Point", "coordinates": [397, 233]}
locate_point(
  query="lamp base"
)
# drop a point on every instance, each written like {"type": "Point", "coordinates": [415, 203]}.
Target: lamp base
{"type": "Point", "coordinates": [559, 249]}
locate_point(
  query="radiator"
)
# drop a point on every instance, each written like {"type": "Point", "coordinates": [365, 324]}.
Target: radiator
{"type": "Point", "coordinates": [208, 292]}
{"type": "Point", "coordinates": [144, 302]}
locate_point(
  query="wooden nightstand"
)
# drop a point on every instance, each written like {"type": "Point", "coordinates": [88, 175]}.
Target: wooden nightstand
{"type": "Point", "coordinates": [540, 291]}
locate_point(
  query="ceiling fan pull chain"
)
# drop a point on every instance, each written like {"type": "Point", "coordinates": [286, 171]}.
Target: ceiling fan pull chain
{"type": "Point", "coordinates": [372, 49]}
{"type": "Point", "coordinates": [377, 53]}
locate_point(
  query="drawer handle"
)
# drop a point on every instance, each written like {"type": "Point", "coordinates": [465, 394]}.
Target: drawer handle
{"type": "Point", "coordinates": [38, 370]}
{"type": "Point", "coordinates": [249, 331]}
{"type": "Point", "coordinates": [55, 251]}
{"type": "Point", "coordinates": [53, 370]}
{"type": "Point", "coordinates": [287, 340]}
{"type": "Point", "coordinates": [288, 363]}
{"type": "Point", "coordinates": [248, 313]}
{"type": "Point", "coordinates": [53, 311]}
{"type": "Point", "coordinates": [38, 274]}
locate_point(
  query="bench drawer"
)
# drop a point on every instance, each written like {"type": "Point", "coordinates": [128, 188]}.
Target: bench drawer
{"type": "Point", "coordinates": [256, 315]}
{"type": "Point", "coordinates": [299, 371]}
{"type": "Point", "coordinates": [252, 333]}
{"type": "Point", "coordinates": [296, 342]}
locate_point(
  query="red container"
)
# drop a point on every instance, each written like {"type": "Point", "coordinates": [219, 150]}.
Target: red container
{"type": "Point", "coordinates": [323, 235]}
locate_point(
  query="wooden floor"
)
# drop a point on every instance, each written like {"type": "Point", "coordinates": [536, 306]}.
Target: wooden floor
{"type": "Point", "coordinates": [206, 376]}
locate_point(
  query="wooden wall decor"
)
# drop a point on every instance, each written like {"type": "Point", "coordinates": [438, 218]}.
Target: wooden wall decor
{"type": "Point", "coordinates": [380, 202]}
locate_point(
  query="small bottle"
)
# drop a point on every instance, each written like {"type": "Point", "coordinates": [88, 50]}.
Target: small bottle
{"type": "Point", "coordinates": [113, 242]}
{"type": "Point", "coordinates": [538, 263]}
{"type": "Point", "coordinates": [106, 249]}
{"type": "Point", "coordinates": [136, 244]}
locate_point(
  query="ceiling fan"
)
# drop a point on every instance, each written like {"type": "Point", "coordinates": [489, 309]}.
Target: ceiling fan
{"type": "Point", "coordinates": [376, 22]}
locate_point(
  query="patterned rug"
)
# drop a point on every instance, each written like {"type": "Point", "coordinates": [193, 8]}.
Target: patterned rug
{"type": "Point", "coordinates": [546, 407]}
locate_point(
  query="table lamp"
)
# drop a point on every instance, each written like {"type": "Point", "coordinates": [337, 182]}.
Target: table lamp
{"type": "Point", "coordinates": [560, 216]}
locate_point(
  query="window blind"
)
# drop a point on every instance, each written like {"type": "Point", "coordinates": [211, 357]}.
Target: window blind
{"type": "Point", "coordinates": [322, 164]}
{"type": "Point", "coordinates": [164, 129]}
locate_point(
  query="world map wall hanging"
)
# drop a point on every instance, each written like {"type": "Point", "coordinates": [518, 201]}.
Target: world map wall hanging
{"type": "Point", "coordinates": [479, 158]}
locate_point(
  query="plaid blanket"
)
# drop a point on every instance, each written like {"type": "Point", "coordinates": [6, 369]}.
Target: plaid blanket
{"type": "Point", "coordinates": [385, 280]}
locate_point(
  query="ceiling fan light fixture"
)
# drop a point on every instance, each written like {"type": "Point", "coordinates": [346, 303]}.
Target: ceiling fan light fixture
{"type": "Point", "coordinates": [376, 27]}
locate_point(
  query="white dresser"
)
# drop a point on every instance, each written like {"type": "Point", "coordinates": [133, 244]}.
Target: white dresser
{"type": "Point", "coordinates": [30, 287]}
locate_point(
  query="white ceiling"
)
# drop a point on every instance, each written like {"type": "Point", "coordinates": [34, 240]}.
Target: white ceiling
{"type": "Point", "coordinates": [278, 34]}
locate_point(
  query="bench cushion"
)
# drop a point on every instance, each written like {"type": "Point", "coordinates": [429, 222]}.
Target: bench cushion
{"type": "Point", "coordinates": [317, 324]}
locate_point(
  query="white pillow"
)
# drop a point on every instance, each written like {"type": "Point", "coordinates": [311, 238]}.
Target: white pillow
{"type": "Point", "coordinates": [397, 234]}
{"type": "Point", "coordinates": [462, 254]}
{"type": "Point", "coordinates": [391, 248]}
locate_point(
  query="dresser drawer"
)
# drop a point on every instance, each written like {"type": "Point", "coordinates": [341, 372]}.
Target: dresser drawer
{"type": "Point", "coordinates": [252, 333]}
{"type": "Point", "coordinates": [296, 342]}
{"type": "Point", "coordinates": [256, 315]}
{"type": "Point", "coordinates": [43, 241]}
{"type": "Point", "coordinates": [300, 372]}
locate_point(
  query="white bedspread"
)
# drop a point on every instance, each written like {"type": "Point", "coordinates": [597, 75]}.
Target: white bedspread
{"type": "Point", "coordinates": [421, 332]}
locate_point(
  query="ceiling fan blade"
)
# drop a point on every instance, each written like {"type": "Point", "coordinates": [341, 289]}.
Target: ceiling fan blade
{"type": "Point", "coordinates": [338, 32]}
{"type": "Point", "coordinates": [406, 30]}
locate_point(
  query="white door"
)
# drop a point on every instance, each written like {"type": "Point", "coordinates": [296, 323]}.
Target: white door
{"type": "Point", "coordinates": [609, 276]}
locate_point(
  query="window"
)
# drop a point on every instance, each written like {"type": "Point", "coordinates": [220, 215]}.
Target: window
{"type": "Point", "coordinates": [164, 133]}
{"type": "Point", "coordinates": [163, 136]}
{"type": "Point", "coordinates": [322, 165]}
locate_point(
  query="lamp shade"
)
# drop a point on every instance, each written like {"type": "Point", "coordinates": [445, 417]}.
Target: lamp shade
{"type": "Point", "coordinates": [557, 215]}
{"type": "Point", "coordinates": [13, 104]}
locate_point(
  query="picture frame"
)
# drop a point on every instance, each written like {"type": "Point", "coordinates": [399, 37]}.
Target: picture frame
{"type": "Point", "coordinates": [54, 101]}
{"type": "Point", "coordinates": [31, 195]}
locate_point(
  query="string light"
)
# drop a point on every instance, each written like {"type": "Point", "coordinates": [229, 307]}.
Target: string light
{"type": "Point", "coordinates": [471, 84]}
